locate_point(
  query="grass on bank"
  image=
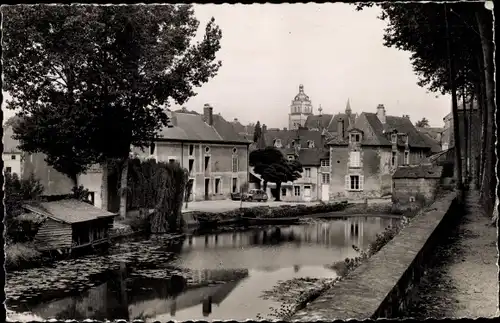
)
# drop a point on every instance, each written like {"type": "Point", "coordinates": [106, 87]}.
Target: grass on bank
{"type": "Point", "coordinates": [18, 255]}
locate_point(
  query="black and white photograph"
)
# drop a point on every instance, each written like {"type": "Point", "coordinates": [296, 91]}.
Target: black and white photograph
{"type": "Point", "coordinates": [263, 161]}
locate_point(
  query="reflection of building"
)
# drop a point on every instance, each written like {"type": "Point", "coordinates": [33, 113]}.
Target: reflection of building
{"type": "Point", "coordinates": [155, 306]}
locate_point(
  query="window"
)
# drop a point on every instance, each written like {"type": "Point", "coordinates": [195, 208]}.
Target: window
{"type": "Point", "coordinates": [393, 159]}
{"type": "Point", "coordinates": [296, 190]}
{"type": "Point", "coordinates": [191, 150]}
{"type": "Point", "coordinates": [235, 164]}
{"type": "Point", "coordinates": [310, 144]}
{"type": "Point", "coordinates": [325, 178]}
{"type": "Point", "coordinates": [407, 158]}
{"type": "Point", "coordinates": [307, 172]}
{"type": "Point", "coordinates": [191, 165]}
{"type": "Point", "coordinates": [235, 150]}
{"type": "Point", "coordinates": [13, 157]}
{"type": "Point", "coordinates": [207, 162]}
{"type": "Point", "coordinates": [325, 163]}
{"type": "Point", "coordinates": [277, 143]}
{"type": "Point", "coordinates": [405, 139]}
{"type": "Point", "coordinates": [355, 137]}
{"type": "Point", "coordinates": [152, 148]}
{"type": "Point", "coordinates": [394, 138]}
{"type": "Point", "coordinates": [207, 150]}
{"type": "Point", "coordinates": [291, 157]}
{"type": "Point", "coordinates": [354, 183]}
{"type": "Point", "coordinates": [283, 192]}
{"type": "Point", "coordinates": [217, 185]}
{"type": "Point", "coordinates": [171, 160]}
{"type": "Point", "coordinates": [354, 159]}
{"type": "Point", "coordinates": [8, 169]}
{"type": "Point", "coordinates": [235, 185]}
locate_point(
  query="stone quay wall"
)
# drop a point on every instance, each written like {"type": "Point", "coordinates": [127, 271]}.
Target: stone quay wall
{"type": "Point", "coordinates": [382, 286]}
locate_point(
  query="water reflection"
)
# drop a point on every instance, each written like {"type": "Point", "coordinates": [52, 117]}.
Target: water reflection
{"type": "Point", "coordinates": [227, 274]}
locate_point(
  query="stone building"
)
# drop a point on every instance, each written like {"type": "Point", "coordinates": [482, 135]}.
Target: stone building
{"type": "Point", "coordinates": [11, 155]}
{"type": "Point", "coordinates": [300, 109]}
{"type": "Point", "coordinates": [207, 145]}
{"type": "Point", "coordinates": [364, 156]}
{"type": "Point", "coordinates": [474, 129]}
{"type": "Point", "coordinates": [415, 186]}
{"type": "Point", "coordinates": [309, 148]}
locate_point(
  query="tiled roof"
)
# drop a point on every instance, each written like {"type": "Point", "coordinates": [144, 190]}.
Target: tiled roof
{"type": "Point", "coordinates": [9, 143]}
{"type": "Point", "coordinates": [190, 126]}
{"type": "Point", "coordinates": [226, 129]}
{"type": "Point", "coordinates": [318, 121]}
{"type": "Point", "coordinates": [288, 136]}
{"type": "Point", "coordinates": [419, 171]}
{"type": "Point", "coordinates": [313, 156]}
{"type": "Point", "coordinates": [432, 136]}
{"type": "Point", "coordinates": [68, 211]}
{"type": "Point", "coordinates": [400, 124]}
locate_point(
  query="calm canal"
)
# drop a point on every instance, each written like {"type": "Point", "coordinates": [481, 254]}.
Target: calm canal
{"type": "Point", "coordinates": [207, 277]}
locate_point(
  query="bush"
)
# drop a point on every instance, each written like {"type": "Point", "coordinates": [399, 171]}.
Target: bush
{"type": "Point", "coordinates": [18, 255]}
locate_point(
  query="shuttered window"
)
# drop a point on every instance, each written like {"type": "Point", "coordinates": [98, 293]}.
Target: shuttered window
{"type": "Point", "coordinates": [235, 164]}
{"type": "Point", "coordinates": [354, 182]}
{"type": "Point", "coordinates": [354, 159]}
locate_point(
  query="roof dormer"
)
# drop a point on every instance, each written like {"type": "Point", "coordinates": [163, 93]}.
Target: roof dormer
{"type": "Point", "coordinates": [310, 144]}
{"type": "Point", "coordinates": [355, 135]}
{"type": "Point", "coordinates": [277, 143]}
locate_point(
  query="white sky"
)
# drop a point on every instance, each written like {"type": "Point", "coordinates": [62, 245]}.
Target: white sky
{"type": "Point", "coordinates": [334, 51]}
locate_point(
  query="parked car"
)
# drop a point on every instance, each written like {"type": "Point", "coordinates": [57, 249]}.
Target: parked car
{"type": "Point", "coordinates": [236, 196]}
{"type": "Point", "coordinates": [255, 195]}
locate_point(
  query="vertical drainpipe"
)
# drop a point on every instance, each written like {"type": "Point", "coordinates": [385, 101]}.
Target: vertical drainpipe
{"type": "Point", "coordinates": [182, 154]}
{"type": "Point", "coordinates": [248, 167]}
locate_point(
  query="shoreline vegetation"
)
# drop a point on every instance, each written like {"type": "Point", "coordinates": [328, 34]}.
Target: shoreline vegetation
{"type": "Point", "coordinates": [23, 255]}
{"type": "Point", "coordinates": [302, 291]}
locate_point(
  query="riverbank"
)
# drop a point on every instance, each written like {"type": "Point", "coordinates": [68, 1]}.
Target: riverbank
{"type": "Point", "coordinates": [462, 281]}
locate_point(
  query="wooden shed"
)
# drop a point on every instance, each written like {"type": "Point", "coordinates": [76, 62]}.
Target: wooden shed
{"type": "Point", "coordinates": [70, 224]}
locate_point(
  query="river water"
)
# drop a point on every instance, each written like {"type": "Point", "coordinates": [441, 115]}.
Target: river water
{"type": "Point", "coordinates": [207, 277]}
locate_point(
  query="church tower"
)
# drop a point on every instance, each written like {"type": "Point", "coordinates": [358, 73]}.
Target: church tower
{"type": "Point", "coordinates": [300, 109]}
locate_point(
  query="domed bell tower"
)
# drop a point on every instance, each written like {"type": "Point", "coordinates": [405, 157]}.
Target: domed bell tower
{"type": "Point", "coordinates": [300, 109]}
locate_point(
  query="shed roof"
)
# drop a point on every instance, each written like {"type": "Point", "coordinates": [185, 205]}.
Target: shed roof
{"type": "Point", "coordinates": [418, 171]}
{"type": "Point", "coordinates": [68, 211]}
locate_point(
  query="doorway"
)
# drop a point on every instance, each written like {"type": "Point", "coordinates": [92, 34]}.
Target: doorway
{"type": "Point", "coordinates": [207, 188]}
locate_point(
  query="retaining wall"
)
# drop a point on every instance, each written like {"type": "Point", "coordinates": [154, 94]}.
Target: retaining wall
{"type": "Point", "coordinates": [382, 286]}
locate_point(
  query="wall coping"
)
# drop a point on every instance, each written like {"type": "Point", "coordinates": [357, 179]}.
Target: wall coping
{"type": "Point", "coordinates": [362, 293]}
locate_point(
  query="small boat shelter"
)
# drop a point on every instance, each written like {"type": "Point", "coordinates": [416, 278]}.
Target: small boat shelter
{"type": "Point", "coordinates": [70, 224]}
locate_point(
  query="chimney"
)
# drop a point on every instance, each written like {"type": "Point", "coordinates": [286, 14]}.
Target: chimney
{"type": "Point", "coordinates": [340, 128]}
{"type": "Point", "coordinates": [264, 128]}
{"type": "Point", "coordinates": [208, 115]}
{"type": "Point", "coordinates": [235, 119]}
{"type": "Point", "coordinates": [381, 113]}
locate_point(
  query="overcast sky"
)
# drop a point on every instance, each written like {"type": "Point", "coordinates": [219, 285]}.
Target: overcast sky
{"type": "Point", "coordinates": [333, 50]}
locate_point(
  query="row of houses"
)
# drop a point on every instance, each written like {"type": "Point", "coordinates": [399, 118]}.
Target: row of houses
{"type": "Point", "coordinates": [343, 155]}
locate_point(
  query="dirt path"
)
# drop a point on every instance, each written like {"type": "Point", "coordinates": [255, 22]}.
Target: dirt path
{"type": "Point", "coordinates": [464, 279]}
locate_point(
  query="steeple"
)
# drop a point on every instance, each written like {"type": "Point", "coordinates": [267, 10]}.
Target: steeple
{"type": "Point", "coordinates": [348, 108]}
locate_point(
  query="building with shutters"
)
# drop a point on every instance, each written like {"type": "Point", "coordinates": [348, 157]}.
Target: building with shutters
{"type": "Point", "coordinates": [365, 153]}
{"type": "Point", "coordinates": [208, 147]}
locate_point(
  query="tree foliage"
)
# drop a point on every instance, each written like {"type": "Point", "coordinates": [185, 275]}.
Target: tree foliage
{"type": "Point", "coordinates": [90, 81]}
{"type": "Point", "coordinates": [17, 192]}
{"type": "Point", "coordinates": [159, 187]}
{"type": "Point", "coordinates": [420, 28]}
{"type": "Point", "coordinates": [273, 167]}
{"type": "Point", "coordinates": [424, 123]}
{"type": "Point", "coordinates": [257, 132]}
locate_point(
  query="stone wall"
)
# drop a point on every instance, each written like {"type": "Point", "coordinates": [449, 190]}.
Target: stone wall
{"type": "Point", "coordinates": [411, 193]}
{"type": "Point", "coordinates": [383, 285]}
